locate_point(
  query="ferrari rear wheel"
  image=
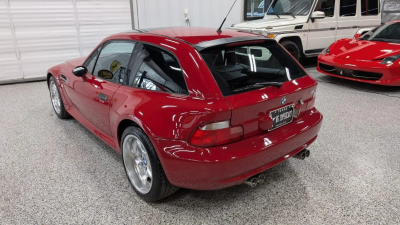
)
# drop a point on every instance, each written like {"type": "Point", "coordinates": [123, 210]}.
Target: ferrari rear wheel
{"type": "Point", "coordinates": [142, 166]}
{"type": "Point", "coordinates": [56, 100]}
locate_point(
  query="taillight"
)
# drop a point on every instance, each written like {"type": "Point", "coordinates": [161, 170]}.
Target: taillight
{"type": "Point", "coordinates": [216, 134]}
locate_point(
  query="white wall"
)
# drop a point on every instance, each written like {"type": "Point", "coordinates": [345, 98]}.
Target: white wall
{"type": "Point", "coordinates": [168, 13]}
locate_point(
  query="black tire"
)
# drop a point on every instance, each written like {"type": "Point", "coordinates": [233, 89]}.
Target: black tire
{"type": "Point", "coordinates": [58, 109]}
{"type": "Point", "coordinates": [293, 49]}
{"type": "Point", "coordinates": [160, 187]}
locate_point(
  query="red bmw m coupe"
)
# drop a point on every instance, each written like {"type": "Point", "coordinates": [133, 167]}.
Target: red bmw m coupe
{"type": "Point", "coordinates": [372, 58]}
{"type": "Point", "coordinates": [190, 107]}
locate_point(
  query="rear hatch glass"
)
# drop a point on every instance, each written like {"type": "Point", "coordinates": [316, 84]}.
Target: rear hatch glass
{"type": "Point", "coordinates": [264, 86]}
{"type": "Point", "coordinates": [241, 67]}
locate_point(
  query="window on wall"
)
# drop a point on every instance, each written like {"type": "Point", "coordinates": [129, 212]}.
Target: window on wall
{"type": "Point", "coordinates": [369, 7]}
{"type": "Point", "coordinates": [348, 8]}
{"type": "Point", "coordinates": [326, 6]}
{"type": "Point", "coordinates": [254, 9]}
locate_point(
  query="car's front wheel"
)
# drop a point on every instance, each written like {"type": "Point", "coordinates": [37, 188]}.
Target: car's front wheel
{"type": "Point", "coordinates": [143, 167]}
{"type": "Point", "coordinates": [292, 48]}
{"type": "Point", "coordinates": [56, 100]}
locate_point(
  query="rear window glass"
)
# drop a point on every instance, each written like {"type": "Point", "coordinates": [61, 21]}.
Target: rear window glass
{"type": "Point", "coordinates": [239, 67]}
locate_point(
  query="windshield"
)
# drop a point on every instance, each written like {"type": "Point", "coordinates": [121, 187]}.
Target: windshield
{"type": "Point", "coordinates": [389, 32]}
{"type": "Point", "coordinates": [242, 68]}
{"type": "Point", "coordinates": [290, 7]}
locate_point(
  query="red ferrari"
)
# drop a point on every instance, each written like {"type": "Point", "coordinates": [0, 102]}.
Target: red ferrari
{"type": "Point", "coordinates": [372, 58]}
{"type": "Point", "coordinates": [190, 107]}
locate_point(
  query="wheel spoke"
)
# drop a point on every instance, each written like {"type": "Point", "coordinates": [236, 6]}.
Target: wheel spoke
{"type": "Point", "coordinates": [137, 164]}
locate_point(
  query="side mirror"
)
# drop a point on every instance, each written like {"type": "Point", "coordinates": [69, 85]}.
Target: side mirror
{"type": "Point", "coordinates": [80, 71]}
{"type": "Point", "coordinates": [317, 15]}
{"type": "Point", "coordinates": [105, 74]}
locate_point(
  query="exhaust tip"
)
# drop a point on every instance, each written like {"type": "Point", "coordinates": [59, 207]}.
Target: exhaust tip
{"type": "Point", "coordinates": [307, 152]}
{"type": "Point", "coordinates": [252, 182]}
{"type": "Point", "coordinates": [260, 178]}
{"type": "Point", "coordinates": [302, 155]}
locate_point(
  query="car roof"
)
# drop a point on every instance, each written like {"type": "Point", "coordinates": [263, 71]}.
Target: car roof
{"type": "Point", "coordinates": [190, 35]}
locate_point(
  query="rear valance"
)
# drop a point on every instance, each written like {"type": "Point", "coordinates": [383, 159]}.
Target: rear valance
{"type": "Point", "coordinates": [234, 40]}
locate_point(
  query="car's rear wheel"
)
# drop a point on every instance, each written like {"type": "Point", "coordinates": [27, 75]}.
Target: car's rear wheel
{"type": "Point", "coordinates": [143, 167]}
{"type": "Point", "coordinates": [56, 100]}
{"type": "Point", "coordinates": [292, 48]}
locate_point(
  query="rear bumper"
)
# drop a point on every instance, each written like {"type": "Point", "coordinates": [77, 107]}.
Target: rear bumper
{"type": "Point", "coordinates": [390, 74]}
{"type": "Point", "coordinates": [228, 165]}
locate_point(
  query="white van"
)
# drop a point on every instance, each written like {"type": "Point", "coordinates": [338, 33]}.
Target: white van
{"type": "Point", "coordinates": [306, 27]}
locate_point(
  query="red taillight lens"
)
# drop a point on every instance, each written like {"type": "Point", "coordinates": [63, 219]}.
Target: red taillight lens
{"type": "Point", "coordinates": [216, 134]}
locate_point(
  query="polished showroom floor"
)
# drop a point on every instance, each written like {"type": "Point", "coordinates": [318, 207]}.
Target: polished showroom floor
{"type": "Point", "coordinates": [55, 171]}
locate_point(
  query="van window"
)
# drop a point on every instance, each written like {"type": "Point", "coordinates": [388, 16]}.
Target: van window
{"type": "Point", "coordinates": [326, 6]}
{"type": "Point", "coordinates": [348, 8]}
{"type": "Point", "coordinates": [369, 7]}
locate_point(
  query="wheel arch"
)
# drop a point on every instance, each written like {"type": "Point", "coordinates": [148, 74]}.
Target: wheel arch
{"type": "Point", "coordinates": [49, 74]}
{"type": "Point", "coordinates": [123, 124]}
{"type": "Point", "coordinates": [296, 39]}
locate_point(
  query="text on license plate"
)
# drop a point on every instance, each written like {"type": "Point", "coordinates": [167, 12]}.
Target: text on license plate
{"type": "Point", "coordinates": [281, 116]}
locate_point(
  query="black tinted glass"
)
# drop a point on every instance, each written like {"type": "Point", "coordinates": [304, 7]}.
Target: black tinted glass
{"type": "Point", "coordinates": [389, 32]}
{"type": "Point", "coordinates": [235, 68]}
{"type": "Point", "coordinates": [348, 7]}
{"type": "Point", "coordinates": [160, 71]}
{"type": "Point", "coordinates": [113, 61]}
{"type": "Point", "coordinates": [369, 7]}
{"type": "Point", "coordinates": [326, 6]}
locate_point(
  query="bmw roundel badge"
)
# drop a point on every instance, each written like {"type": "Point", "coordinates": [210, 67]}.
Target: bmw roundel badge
{"type": "Point", "coordinates": [283, 100]}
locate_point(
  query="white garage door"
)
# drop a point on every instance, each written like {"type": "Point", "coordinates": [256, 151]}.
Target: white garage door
{"type": "Point", "coordinates": [35, 35]}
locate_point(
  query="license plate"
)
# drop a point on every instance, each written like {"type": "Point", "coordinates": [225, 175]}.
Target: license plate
{"type": "Point", "coordinates": [281, 116]}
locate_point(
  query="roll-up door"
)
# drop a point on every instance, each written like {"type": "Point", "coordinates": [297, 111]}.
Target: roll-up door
{"type": "Point", "coordinates": [36, 35]}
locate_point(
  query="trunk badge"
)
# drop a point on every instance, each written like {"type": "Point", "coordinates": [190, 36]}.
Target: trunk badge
{"type": "Point", "coordinates": [283, 100]}
{"type": "Point", "coordinates": [301, 101]}
{"type": "Point", "coordinates": [341, 72]}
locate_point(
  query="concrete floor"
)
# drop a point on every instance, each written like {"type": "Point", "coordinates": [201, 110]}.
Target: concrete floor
{"type": "Point", "coordinates": [55, 171]}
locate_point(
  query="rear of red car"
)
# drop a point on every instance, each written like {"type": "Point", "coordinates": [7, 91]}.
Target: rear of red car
{"type": "Point", "coordinates": [273, 116]}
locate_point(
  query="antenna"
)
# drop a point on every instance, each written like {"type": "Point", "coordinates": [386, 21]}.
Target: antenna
{"type": "Point", "coordinates": [219, 29]}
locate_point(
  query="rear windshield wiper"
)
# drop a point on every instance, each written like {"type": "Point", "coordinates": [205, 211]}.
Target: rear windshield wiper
{"type": "Point", "coordinates": [259, 85]}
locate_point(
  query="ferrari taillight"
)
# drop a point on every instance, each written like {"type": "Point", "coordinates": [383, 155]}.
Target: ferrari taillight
{"type": "Point", "coordinates": [214, 134]}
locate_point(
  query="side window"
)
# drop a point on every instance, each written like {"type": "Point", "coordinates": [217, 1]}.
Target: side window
{"type": "Point", "coordinates": [326, 6]}
{"type": "Point", "coordinates": [348, 8]}
{"type": "Point", "coordinates": [89, 64]}
{"type": "Point", "coordinates": [369, 7]}
{"type": "Point", "coordinates": [160, 71]}
{"type": "Point", "coordinates": [112, 64]}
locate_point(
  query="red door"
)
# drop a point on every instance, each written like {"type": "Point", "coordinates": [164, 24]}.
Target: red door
{"type": "Point", "coordinates": [92, 96]}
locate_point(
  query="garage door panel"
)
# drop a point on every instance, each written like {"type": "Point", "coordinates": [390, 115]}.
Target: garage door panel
{"type": "Point", "coordinates": [43, 33]}
{"type": "Point", "coordinates": [99, 19]}
{"type": "Point", "coordinates": [45, 30]}
{"type": "Point", "coordinates": [8, 58]}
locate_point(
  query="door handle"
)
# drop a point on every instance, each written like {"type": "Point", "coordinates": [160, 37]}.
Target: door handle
{"type": "Point", "coordinates": [332, 28]}
{"type": "Point", "coordinates": [355, 26]}
{"type": "Point", "coordinates": [102, 96]}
